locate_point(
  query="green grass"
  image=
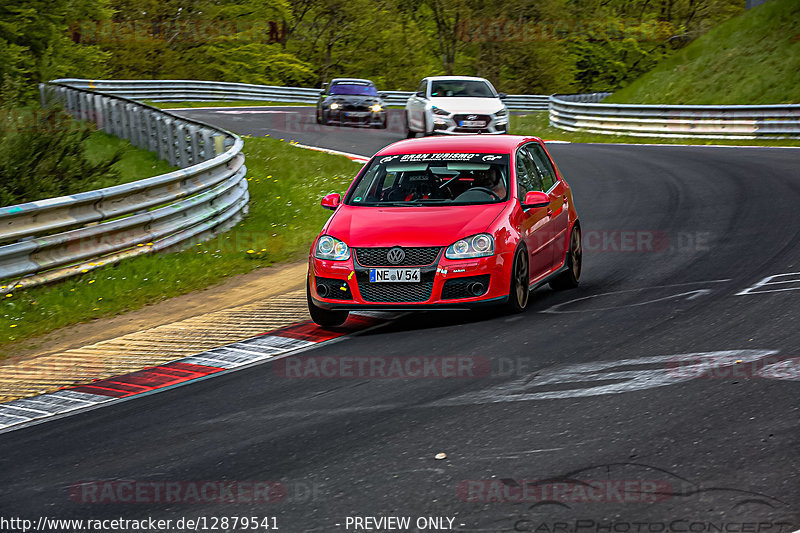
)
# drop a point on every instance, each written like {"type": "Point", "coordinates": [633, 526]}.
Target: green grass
{"type": "Point", "coordinates": [538, 124]}
{"type": "Point", "coordinates": [135, 164]}
{"type": "Point", "coordinates": [238, 103]}
{"type": "Point", "coordinates": [750, 59]}
{"type": "Point", "coordinates": [286, 184]}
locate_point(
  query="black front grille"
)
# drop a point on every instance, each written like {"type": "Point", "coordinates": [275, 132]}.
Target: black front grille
{"type": "Point", "coordinates": [414, 256]}
{"type": "Point", "coordinates": [460, 287]}
{"type": "Point", "coordinates": [396, 292]}
{"type": "Point", "coordinates": [337, 289]}
{"type": "Point", "coordinates": [355, 107]}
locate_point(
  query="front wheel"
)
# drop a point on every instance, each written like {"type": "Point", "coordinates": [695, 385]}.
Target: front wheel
{"type": "Point", "coordinates": [409, 134]}
{"type": "Point", "coordinates": [519, 290]}
{"type": "Point", "coordinates": [324, 317]}
{"type": "Point", "coordinates": [570, 277]}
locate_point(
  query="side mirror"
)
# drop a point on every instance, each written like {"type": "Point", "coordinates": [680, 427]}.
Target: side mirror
{"type": "Point", "coordinates": [332, 201]}
{"type": "Point", "coordinates": [382, 95]}
{"type": "Point", "coordinates": [502, 95]}
{"type": "Point", "coordinates": [536, 199]}
{"type": "Point", "coordinates": [322, 92]}
{"type": "Point", "coordinates": [421, 94]}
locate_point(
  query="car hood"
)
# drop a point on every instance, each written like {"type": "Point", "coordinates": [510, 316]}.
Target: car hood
{"type": "Point", "coordinates": [485, 106]}
{"type": "Point", "coordinates": [410, 226]}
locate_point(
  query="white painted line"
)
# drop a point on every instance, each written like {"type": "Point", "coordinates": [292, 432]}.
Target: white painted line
{"type": "Point", "coordinates": [768, 281]}
{"type": "Point", "coordinates": [355, 157]}
{"type": "Point", "coordinates": [22, 411]}
{"type": "Point", "coordinates": [690, 295]}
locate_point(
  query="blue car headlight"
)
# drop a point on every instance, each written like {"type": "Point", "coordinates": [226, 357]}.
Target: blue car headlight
{"type": "Point", "coordinates": [480, 245]}
{"type": "Point", "coordinates": [331, 249]}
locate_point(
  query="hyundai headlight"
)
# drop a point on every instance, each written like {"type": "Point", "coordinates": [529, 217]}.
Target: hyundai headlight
{"type": "Point", "coordinates": [502, 113]}
{"type": "Point", "coordinates": [376, 108]}
{"type": "Point", "coordinates": [480, 245]}
{"type": "Point", "coordinates": [331, 249]}
{"type": "Point", "coordinates": [439, 111]}
{"type": "Point", "coordinates": [334, 106]}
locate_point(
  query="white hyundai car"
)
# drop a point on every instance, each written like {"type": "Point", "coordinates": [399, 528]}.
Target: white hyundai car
{"type": "Point", "coordinates": [456, 105]}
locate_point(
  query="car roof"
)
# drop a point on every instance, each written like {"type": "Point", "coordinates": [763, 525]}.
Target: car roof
{"type": "Point", "coordinates": [444, 78]}
{"type": "Point", "coordinates": [345, 80]}
{"type": "Point", "coordinates": [459, 144]}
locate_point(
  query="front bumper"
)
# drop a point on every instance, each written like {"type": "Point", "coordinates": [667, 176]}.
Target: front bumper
{"type": "Point", "coordinates": [347, 285]}
{"type": "Point", "coordinates": [366, 118]}
{"type": "Point", "coordinates": [453, 125]}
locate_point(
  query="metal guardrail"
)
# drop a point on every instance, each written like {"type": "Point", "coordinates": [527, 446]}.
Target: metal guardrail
{"type": "Point", "coordinates": [59, 237]}
{"type": "Point", "coordinates": [209, 91]}
{"type": "Point", "coordinates": [585, 112]}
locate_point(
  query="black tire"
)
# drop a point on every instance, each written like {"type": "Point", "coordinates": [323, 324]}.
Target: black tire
{"type": "Point", "coordinates": [323, 119]}
{"type": "Point", "coordinates": [318, 116]}
{"type": "Point", "coordinates": [409, 134]}
{"type": "Point", "coordinates": [570, 278]}
{"type": "Point", "coordinates": [519, 289]}
{"type": "Point", "coordinates": [324, 317]}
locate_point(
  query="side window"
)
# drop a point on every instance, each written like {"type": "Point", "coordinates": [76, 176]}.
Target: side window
{"type": "Point", "coordinates": [533, 171]}
{"type": "Point", "coordinates": [423, 87]}
{"type": "Point", "coordinates": [525, 180]}
{"type": "Point", "coordinates": [543, 166]}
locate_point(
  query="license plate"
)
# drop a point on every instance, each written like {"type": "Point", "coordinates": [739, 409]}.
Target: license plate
{"type": "Point", "coordinates": [394, 275]}
{"type": "Point", "coordinates": [356, 114]}
{"type": "Point", "coordinates": [473, 123]}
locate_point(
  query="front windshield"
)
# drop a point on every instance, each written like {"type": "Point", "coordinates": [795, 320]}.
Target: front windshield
{"type": "Point", "coordinates": [361, 89]}
{"type": "Point", "coordinates": [432, 180]}
{"type": "Point", "coordinates": [465, 88]}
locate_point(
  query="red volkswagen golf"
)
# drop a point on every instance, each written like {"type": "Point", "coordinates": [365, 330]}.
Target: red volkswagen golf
{"type": "Point", "coordinates": [446, 223]}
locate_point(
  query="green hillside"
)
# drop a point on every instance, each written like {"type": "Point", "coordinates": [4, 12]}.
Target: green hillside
{"type": "Point", "coordinates": [750, 59]}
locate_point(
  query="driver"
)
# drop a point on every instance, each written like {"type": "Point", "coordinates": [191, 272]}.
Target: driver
{"type": "Point", "coordinates": [491, 179]}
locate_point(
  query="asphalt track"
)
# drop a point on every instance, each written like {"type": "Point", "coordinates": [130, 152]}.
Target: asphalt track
{"type": "Point", "coordinates": [575, 395]}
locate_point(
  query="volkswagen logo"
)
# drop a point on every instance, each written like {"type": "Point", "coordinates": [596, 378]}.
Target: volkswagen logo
{"type": "Point", "coordinates": [472, 117]}
{"type": "Point", "coordinates": [395, 256]}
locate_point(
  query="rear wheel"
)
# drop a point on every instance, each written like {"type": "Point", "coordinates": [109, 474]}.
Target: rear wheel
{"type": "Point", "coordinates": [324, 317]}
{"type": "Point", "coordinates": [570, 277]}
{"type": "Point", "coordinates": [519, 290]}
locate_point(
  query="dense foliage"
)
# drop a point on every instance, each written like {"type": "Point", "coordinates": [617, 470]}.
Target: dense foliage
{"type": "Point", "coordinates": [44, 156]}
{"type": "Point", "coordinates": [524, 46]}
{"type": "Point", "coordinates": [752, 59]}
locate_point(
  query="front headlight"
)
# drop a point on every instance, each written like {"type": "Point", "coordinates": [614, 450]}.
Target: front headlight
{"type": "Point", "coordinates": [480, 245]}
{"type": "Point", "coordinates": [334, 106]}
{"type": "Point", "coordinates": [439, 111]}
{"type": "Point", "coordinates": [376, 108]}
{"type": "Point", "coordinates": [331, 249]}
{"type": "Point", "coordinates": [502, 113]}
